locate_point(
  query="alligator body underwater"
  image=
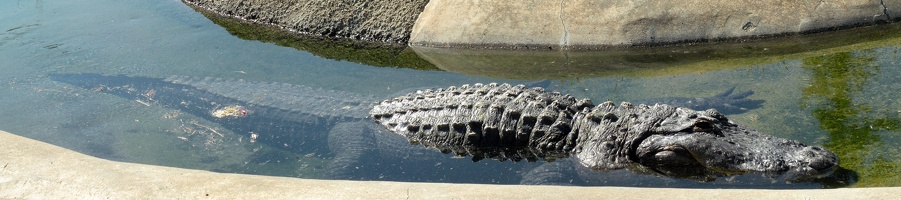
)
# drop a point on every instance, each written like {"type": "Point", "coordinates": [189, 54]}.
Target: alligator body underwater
{"type": "Point", "coordinates": [283, 115]}
{"type": "Point", "coordinates": [328, 123]}
{"type": "Point", "coordinates": [507, 122]}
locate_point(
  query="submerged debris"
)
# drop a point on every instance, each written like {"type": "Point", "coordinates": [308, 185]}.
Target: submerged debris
{"type": "Point", "coordinates": [230, 111]}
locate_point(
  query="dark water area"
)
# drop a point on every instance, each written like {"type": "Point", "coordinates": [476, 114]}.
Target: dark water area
{"type": "Point", "coordinates": [842, 96]}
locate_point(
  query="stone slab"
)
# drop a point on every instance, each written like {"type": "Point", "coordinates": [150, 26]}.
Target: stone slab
{"type": "Point", "coordinates": [32, 169]}
{"type": "Point", "coordinates": [584, 24]}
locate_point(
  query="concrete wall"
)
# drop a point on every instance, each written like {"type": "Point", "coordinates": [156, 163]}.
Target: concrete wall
{"type": "Point", "coordinates": [539, 24]}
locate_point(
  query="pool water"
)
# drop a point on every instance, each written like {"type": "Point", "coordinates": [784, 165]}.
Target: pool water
{"type": "Point", "coordinates": [843, 97]}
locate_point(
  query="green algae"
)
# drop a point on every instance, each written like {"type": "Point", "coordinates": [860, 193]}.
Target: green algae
{"type": "Point", "coordinates": [853, 125]}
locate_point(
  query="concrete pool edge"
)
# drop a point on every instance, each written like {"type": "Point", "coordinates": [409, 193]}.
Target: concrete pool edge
{"type": "Point", "coordinates": [32, 169]}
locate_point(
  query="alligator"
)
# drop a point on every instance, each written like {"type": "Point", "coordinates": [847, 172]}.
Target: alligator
{"type": "Point", "coordinates": [301, 119]}
{"type": "Point", "coordinates": [505, 122]}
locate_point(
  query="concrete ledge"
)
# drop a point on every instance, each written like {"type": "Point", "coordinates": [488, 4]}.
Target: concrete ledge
{"type": "Point", "coordinates": [582, 24]}
{"type": "Point", "coordinates": [35, 170]}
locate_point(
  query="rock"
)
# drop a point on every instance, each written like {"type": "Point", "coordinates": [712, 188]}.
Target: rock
{"type": "Point", "coordinates": [892, 9]}
{"type": "Point", "coordinates": [369, 20]}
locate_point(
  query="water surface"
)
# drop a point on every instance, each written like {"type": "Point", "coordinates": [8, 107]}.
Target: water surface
{"type": "Point", "coordinates": [844, 98]}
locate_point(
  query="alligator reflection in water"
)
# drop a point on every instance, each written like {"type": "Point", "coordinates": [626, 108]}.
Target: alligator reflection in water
{"type": "Point", "coordinates": [302, 119]}
{"type": "Point", "coordinates": [852, 123]}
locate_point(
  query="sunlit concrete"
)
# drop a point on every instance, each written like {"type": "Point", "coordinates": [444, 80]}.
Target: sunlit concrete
{"type": "Point", "coordinates": [538, 24]}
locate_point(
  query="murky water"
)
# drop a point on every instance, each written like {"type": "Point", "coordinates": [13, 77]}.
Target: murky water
{"type": "Point", "coordinates": [844, 98]}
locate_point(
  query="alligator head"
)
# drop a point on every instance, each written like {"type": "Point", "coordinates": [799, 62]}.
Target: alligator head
{"type": "Point", "coordinates": [703, 145]}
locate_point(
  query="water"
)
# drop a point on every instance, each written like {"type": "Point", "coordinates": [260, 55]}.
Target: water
{"type": "Point", "coordinates": [842, 97]}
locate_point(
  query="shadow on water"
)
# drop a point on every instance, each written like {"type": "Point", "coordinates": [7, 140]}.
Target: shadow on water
{"type": "Point", "coordinates": [852, 124]}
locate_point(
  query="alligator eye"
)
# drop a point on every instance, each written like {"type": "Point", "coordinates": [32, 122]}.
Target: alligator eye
{"type": "Point", "coordinates": [702, 126]}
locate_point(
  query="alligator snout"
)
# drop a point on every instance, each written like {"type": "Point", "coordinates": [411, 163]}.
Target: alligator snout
{"type": "Point", "coordinates": [819, 161]}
